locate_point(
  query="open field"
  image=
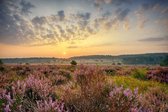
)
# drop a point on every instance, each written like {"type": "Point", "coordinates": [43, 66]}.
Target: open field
{"type": "Point", "coordinates": [83, 55]}
{"type": "Point", "coordinates": [83, 88]}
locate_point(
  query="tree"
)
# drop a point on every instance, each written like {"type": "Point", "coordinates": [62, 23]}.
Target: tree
{"type": "Point", "coordinates": [164, 62]}
{"type": "Point", "coordinates": [73, 62]}
{"type": "Point", "coordinates": [1, 62]}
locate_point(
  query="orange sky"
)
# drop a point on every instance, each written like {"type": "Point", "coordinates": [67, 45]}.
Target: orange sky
{"type": "Point", "coordinates": [65, 28]}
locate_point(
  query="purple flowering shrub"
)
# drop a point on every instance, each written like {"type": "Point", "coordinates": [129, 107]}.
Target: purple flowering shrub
{"type": "Point", "coordinates": [30, 94]}
{"type": "Point", "coordinates": [123, 100]}
{"type": "Point", "coordinates": [61, 77]}
{"type": "Point", "coordinates": [25, 70]}
{"type": "Point", "coordinates": [50, 106]}
{"type": "Point", "coordinates": [58, 88]}
{"type": "Point", "coordinates": [89, 78]}
{"type": "Point", "coordinates": [158, 74]}
{"type": "Point", "coordinates": [4, 80]}
{"type": "Point", "coordinates": [91, 81]}
{"type": "Point", "coordinates": [155, 100]}
{"type": "Point", "coordinates": [40, 86]}
{"type": "Point", "coordinates": [96, 95]}
{"type": "Point", "coordinates": [5, 101]}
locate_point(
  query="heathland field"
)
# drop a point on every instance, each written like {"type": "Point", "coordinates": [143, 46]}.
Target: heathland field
{"type": "Point", "coordinates": [83, 88]}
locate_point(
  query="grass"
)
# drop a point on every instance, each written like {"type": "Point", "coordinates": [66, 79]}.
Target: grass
{"type": "Point", "coordinates": [143, 86]}
{"type": "Point", "coordinates": [139, 73]}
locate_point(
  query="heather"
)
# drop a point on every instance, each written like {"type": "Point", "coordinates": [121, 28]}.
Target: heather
{"type": "Point", "coordinates": [83, 88]}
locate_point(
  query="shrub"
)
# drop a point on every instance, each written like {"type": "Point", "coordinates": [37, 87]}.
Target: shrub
{"type": "Point", "coordinates": [139, 74]}
{"type": "Point", "coordinates": [110, 71]}
{"type": "Point", "coordinates": [24, 71]}
{"type": "Point", "coordinates": [89, 77]}
{"type": "Point", "coordinates": [90, 97]}
{"type": "Point", "coordinates": [2, 68]}
{"type": "Point", "coordinates": [41, 85]}
{"type": "Point", "coordinates": [124, 71]}
{"type": "Point", "coordinates": [155, 100]}
{"type": "Point", "coordinates": [164, 62]}
{"type": "Point", "coordinates": [73, 62]}
{"type": "Point", "coordinates": [1, 63]}
{"type": "Point", "coordinates": [59, 79]}
{"type": "Point", "coordinates": [65, 73]}
{"type": "Point", "coordinates": [5, 101]}
{"type": "Point", "coordinates": [123, 100]}
{"type": "Point", "coordinates": [50, 106]}
{"type": "Point", "coordinates": [30, 94]}
{"type": "Point", "coordinates": [159, 74]}
{"type": "Point", "coordinates": [27, 64]}
{"type": "Point", "coordinates": [132, 83]}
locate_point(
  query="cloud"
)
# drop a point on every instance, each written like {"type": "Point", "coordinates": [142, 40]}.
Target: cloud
{"type": "Point", "coordinates": [106, 14]}
{"type": "Point", "coordinates": [141, 19]}
{"type": "Point", "coordinates": [102, 44]}
{"type": "Point", "coordinates": [149, 10]}
{"type": "Point", "coordinates": [75, 26]}
{"type": "Point", "coordinates": [107, 21]}
{"type": "Point", "coordinates": [121, 14]}
{"type": "Point", "coordinates": [120, 2]}
{"type": "Point", "coordinates": [165, 10]}
{"type": "Point", "coordinates": [13, 23]}
{"type": "Point", "coordinates": [155, 39]}
{"type": "Point", "coordinates": [126, 25]}
{"type": "Point", "coordinates": [61, 15]}
{"type": "Point", "coordinates": [113, 2]}
{"type": "Point", "coordinates": [155, 6]}
{"type": "Point", "coordinates": [26, 6]}
{"type": "Point", "coordinates": [39, 20]}
{"type": "Point", "coordinates": [18, 28]}
{"type": "Point", "coordinates": [84, 16]}
{"type": "Point", "coordinates": [73, 47]}
{"type": "Point", "coordinates": [93, 45]}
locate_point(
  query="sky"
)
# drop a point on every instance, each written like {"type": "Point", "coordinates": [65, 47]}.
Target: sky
{"type": "Point", "coordinates": [65, 28]}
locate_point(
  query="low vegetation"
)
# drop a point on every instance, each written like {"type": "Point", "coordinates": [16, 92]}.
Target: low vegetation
{"type": "Point", "coordinates": [73, 62]}
{"type": "Point", "coordinates": [65, 88]}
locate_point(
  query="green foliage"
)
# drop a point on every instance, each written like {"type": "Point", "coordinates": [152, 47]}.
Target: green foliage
{"type": "Point", "coordinates": [26, 63]}
{"type": "Point", "coordinates": [111, 72]}
{"type": "Point", "coordinates": [143, 86]}
{"type": "Point", "coordinates": [73, 62]}
{"type": "Point", "coordinates": [2, 68]}
{"type": "Point", "coordinates": [1, 63]}
{"type": "Point", "coordinates": [65, 73]}
{"type": "Point", "coordinates": [164, 62]}
{"type": "Point", "coordinates": [139, 74]}
{"type": "Point", "coordinates": [87, 89]}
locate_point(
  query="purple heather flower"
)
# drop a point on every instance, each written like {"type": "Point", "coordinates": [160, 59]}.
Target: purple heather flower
{"type": "Point", "coordinates": [136, 91]}
{"type": "Point", "coordinates": [8, 97]}
{"type": "Point", "coordinates": [127, 92]}
{"type": "Point", "coordinates": [7, 108]}
{"type": "Point", "coordinates": [134, 110]}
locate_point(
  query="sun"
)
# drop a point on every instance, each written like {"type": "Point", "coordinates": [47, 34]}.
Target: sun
{"type": "Point", "coordinates": [64, 53]}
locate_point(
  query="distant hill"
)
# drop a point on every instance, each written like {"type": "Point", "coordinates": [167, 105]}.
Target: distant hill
{"type": "Point", "coordinates": [150, 58]}
{"type": "Point", "coordinates": [134, 59]}
{"type": "Point", "coordinates": [28, 60]}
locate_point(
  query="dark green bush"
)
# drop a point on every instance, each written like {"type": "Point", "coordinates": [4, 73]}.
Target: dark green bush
{"type": "Point", "coordinates": [73, 62]}
{"type": "Point", "coordinates": [1, 63]}
{"type": "Point", "coordinates": [164, 62]}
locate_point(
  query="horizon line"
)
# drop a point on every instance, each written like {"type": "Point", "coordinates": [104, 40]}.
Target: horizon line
{"type": "Point", "coordinates": [84, 55]}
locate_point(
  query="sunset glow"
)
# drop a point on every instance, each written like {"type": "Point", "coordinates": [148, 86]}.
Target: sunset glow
{"type": "Point", "coordinates": [65, 28]}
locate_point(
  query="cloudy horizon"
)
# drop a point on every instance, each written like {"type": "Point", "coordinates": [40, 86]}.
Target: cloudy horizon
{"type": "Point", "coordinates": [65, 28]}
